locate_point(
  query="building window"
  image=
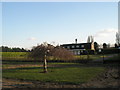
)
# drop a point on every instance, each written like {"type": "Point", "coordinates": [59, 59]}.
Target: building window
{"type": "Point", "coordinates": [73, 46]}
{"type": "Point", "coordinates": [77, 46]}
{"type": "Point", "coordinates": [68, 47]}
{"type": "Point", "coordinates": [81, 51]}
{"type": "Point", "coordinates": [75, 53]}
{"type": "Point", "coordinates": [82, 46]}
{"type": "Point", "coordinates": [78, 52]}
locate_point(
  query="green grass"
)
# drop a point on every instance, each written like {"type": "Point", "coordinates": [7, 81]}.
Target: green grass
{"type": "Point", "coordinates": [9, 63]}
{"type": "Point", "coordinates": [23, 56]}
{"type": "Point", "coordinates": [117, 57]}
{"type": "Point", "coordinates": [69, 75]}
{"type": "Point", "coordinates": [92, 57]}
{"type": "Point", "coordinates": [64, 63]}
{"type": "Point", "coordinates": [14, 55]}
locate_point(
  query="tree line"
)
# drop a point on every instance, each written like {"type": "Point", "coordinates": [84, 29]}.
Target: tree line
{"type": "Point", "coordinates": [15, 49]}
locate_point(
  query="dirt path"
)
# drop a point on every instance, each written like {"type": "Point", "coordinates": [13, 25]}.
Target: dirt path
{"type": "Point", "coordinates": [11, 83]}
{"type": "Point", "coordinates": [34, 65]}
{"type": "Point", "coordinates": [21, 66]}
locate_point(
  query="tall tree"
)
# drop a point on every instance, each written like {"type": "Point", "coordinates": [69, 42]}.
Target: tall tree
{"type": "Point", "coordinates": [104, 45]}
{"type": "Point", "coordinates": [90, 39]}
{"type": "Point", "coordinates": [118, 38]}
{"type": "Point", "coordinates": [108, 45]}
{"type": "Point", "coordinates": [116, 46]}
{"type": "Point", "coordinates": [96, 45]}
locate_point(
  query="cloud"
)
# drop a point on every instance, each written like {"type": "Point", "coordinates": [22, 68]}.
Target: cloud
{"type": "Point", "coordinates": [32, 38]}
{"type": "Point", "coordinates": [105, 32]}
{"type": "Point", "coordinates": [106, 35]}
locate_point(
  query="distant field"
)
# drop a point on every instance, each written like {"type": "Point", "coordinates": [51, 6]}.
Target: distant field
{"type": "Point", "coordinates": [24, 56]}
{"type": "Point", "coordinates": [14, 55]}
{"type": "Point", "coordinates": [92, 57]}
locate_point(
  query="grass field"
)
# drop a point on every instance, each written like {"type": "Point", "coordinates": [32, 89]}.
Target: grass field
{"type": "Point", "coordinates": [14, 55]}
{"type": "Point", "coordinates": [61, 73]}
{"type": "Point", "coordinates": [65, 75]}
{"type": "Point", "coordinates": [23, 56]}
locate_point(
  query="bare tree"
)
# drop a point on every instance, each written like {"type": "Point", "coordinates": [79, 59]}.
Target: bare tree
{"type": "Point", "coordinates": [62, 53]}
{"type": "Point", "coordinates": [41, 51]}
{"type": "Point", "coordinates": [118, 38]}
{"type": "Point", "coordinates": [90, 39]}
{"type": "Point", "coordinates": [108, 45]}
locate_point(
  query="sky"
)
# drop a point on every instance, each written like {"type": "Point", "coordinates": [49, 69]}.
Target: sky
{"type": "Point", "coordinates": [26, 24]}
{"type": "Point", "coordinates": [0, 23]}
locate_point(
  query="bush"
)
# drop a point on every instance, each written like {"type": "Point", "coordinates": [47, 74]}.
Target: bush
{"type": "Point", "coordinates": [109, 51]}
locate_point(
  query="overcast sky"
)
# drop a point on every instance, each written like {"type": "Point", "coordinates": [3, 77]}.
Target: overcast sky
{"type": "Point", "coordinates": [26, 24]}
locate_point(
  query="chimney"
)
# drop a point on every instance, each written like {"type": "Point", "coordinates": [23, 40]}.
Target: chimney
{"type": "Point", "coordinates": [76, 41]}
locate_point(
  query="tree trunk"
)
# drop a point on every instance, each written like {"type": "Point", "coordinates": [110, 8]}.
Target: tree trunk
{"type": "Point", "coordinates": [45, 65]}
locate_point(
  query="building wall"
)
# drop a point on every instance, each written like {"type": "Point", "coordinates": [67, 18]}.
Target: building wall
{"type": "Point", "coordinates": [92, 46]}
{"type": "Point", "coordinates": [79, 48]}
